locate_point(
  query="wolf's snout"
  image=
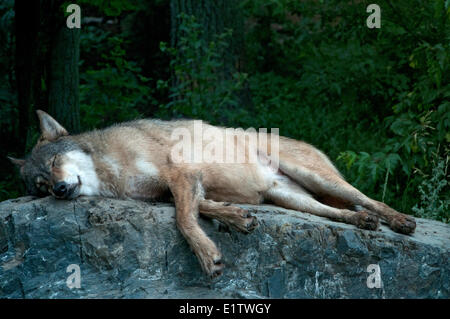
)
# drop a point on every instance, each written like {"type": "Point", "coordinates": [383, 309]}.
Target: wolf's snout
{"type": "Point", "coordinates": [60, 189]}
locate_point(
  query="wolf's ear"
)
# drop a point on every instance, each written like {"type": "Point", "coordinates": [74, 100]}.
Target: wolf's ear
{"type": "Point", "coordinates": [18, 162]}
{"type": "Point", "coordinates": [50, 129]}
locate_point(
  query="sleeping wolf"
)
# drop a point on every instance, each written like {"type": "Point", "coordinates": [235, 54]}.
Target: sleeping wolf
{"type": "Point", "coordinates": [134, 160]}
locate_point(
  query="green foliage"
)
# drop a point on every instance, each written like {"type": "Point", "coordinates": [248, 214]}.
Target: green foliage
{"type": "Point", "coordinates": [375, 100]}
{"type": "Point", "coordinates": [113, 8]}
{"type": "Point", "coordinates": [420, 120]}
{"type": "Point", "coordinates": [10, 188]}
{"type": "Point", "coordinates": [433, 204]}
{"type": "Point", "coordinates": [200, 86]}
{"type": "Point", "coordinates": [113, 90]}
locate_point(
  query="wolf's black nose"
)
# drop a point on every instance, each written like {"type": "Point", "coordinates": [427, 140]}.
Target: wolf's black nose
{"type": "Point", "coordinates": [60, 189]}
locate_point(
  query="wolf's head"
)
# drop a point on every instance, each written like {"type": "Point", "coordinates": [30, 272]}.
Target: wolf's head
{"type": "Point", "coordinates": [57, 165]}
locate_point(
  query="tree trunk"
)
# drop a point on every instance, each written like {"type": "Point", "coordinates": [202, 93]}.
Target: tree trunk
{"type": "Point", "coordinates": [27, 17]}
{"type": "Point", "coordinates": [63, 79]}
{"type": "Point", "coordinates": [215, 16]}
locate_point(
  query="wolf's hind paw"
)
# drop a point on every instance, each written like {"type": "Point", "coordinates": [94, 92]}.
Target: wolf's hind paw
{"type": "Point", "coordinates": [403, 224]}
{"type": "Point", "coordinates": [366, 220]}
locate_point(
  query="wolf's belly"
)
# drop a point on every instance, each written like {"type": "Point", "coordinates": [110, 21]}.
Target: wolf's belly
{"type": "Point", "coordinates": [225, 195]}
{"type": "Point", "coordinates": [239, 183]}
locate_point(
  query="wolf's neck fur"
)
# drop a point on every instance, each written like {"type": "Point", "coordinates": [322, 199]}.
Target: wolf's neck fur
{"type": "Point", "coordinates": [80, 168]}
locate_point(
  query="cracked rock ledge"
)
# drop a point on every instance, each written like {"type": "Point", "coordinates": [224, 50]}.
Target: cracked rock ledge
{"type": "Point", "coordinates": [132, 249]}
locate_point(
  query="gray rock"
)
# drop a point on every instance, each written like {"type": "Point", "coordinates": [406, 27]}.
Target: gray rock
{"type": "Point", "coordinates": [132, 249]}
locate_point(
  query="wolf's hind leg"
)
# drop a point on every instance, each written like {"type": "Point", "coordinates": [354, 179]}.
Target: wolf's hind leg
{"type": "Point", "coordinates": [232, 216]}
{"type": "Point", "coordinates": [329, 183]}
{"type": "Point", "coordinates": [292, 196]}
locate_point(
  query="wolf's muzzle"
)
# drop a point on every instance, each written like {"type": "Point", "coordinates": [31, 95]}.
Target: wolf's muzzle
{"type": "Point", "coordinates": [64, 190]}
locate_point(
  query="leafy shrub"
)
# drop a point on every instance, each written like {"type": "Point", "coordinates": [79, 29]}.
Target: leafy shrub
{"type": "Point", "coordinates": [434, 194]}
{"type": "Point", "coordinates": [113, 90]}
{"type": "Point", "coordinates": [376, 101]}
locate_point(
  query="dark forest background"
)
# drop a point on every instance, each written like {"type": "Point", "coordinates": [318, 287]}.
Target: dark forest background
{"type": "Point", "coordinates": [377, 101]}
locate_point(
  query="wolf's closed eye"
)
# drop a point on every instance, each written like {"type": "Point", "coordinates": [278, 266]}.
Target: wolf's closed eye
{"type": "Point", "coordinates": [53, 160]}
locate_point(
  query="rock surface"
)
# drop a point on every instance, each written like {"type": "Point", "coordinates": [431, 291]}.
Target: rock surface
{"type": "Point", "coordinates": [132, 249]}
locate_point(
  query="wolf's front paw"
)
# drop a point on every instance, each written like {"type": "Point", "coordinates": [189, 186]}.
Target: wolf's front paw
{"type": "Point", "coordinates": [213, 266]}
{"type": "Point", "coordinates": [403, 224]}
{"type": "Point", "coordinates": [366, 220]}
{"type": "Point", "coordinates": [217, 268]}
{"type": "Point", "coordinates": [210, 259]}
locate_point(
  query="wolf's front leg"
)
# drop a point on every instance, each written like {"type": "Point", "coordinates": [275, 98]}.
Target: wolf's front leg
{"type": "Point", "coordinates": [187, 190]}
